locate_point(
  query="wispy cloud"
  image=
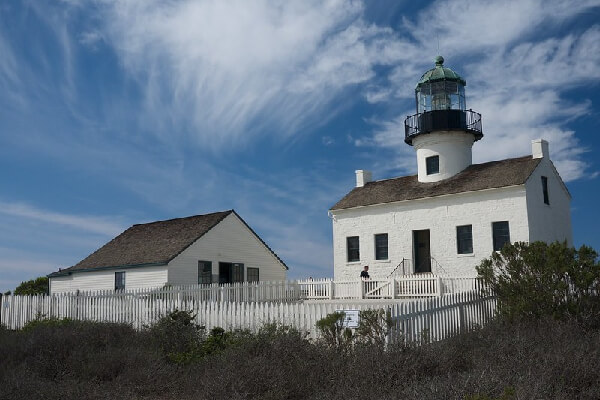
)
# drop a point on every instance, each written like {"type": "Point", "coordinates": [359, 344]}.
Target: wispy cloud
{"type": "Point", "coordinates": [517, 74]}
{"type": "Point", "coordinates": [91, 224]}
{"type": "Point", "coordinates": [229, 72]}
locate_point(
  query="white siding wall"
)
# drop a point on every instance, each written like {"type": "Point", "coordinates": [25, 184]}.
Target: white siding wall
{"type": "Point", "coordinates": [441, 215]}
{"type": "Point", "coordinates": [229, 241]}
{"type": "Point", "coordinates": [135, 278]}
{"type": "Point", "coordinates": [551, 222]}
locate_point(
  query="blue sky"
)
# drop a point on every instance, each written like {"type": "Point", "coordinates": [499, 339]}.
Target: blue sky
{"type": "Point", "coordinates": [121, 112]}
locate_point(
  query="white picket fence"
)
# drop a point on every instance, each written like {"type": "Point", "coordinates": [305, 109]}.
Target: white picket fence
{"type": "Point", "coordinates": [432, 318]}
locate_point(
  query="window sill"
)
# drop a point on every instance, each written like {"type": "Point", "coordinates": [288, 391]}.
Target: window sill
{"type": "Point", "coordinates": [386, 261]}
{"type": "Point", "coordinates": [466, 255]}
{"type": "Point", "coordinates": [353, 262]}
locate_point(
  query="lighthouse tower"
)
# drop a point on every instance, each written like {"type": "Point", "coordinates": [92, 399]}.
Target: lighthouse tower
{"type": "Point", "coordinates": [443, 130]}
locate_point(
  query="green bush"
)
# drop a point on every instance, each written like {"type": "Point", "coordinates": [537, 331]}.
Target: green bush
{"type": "Point", "coordinates": [34, 286]}
{"type": "Point", "coordinates": [178, 337]}
{"type": "Point", "coordinates": [374, 327]}
{"type": "Point", "coordinates": [538, 279]}
{"type": "Point", "coordinates": [41, 321]}
{"type": "Point", "coordinates": [333, 332]}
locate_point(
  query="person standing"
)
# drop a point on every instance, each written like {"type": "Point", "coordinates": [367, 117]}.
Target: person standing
{"type": "Point", "coordinates": [364, 274]}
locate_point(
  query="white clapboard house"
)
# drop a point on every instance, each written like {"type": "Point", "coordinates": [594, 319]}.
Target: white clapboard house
{"type": "Point", "coordinates": [453, 213]}
{"type": "Point", "coordinates": [202, 249]}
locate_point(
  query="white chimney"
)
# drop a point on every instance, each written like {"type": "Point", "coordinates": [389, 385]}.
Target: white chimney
{"type": "Point", "coordinates": [539, 148]}
{"type": "Point", "coordinates": [363, 177]}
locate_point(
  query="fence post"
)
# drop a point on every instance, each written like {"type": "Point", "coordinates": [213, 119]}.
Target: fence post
{"type": "Point", "coordinates": [393, 283]}
{"type": "Point", "coordinates": [439, 285]}
{"type": "Point", "coordinates": [331, 294]}
{"type": "Point", "coordinates": [362, 288]}
{"type": "Point", "coordinates": [461, 318]}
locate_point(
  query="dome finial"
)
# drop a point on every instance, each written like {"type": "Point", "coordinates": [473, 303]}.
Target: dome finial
{"type": "Point", "coordinates": [439, 61]}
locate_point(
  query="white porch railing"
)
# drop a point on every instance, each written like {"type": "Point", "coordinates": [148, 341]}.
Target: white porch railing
{"type": "Point", "coordinates": [425, 285]}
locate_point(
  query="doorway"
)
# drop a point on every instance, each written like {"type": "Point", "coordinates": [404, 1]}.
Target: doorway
{"type": "Point", "coordinates": [231, 272]}
{"type": "Point", "coordinates": [421, 251]}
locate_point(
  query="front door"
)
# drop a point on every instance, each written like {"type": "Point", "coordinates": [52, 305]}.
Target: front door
{"type": "Point", "coordinates": [231, 272]}
{"type": "Point", "coordinates": [224, 272]}
{"type": "Point", "coordinates": [422, 252]}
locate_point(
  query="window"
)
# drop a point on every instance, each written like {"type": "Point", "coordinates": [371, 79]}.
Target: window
{"type": "Point", "coordinates": [119, 281]}
{"type": "Point", "coordinates": [352, 248]}
{"type": "Point", "coordinates": [204, 272]}
{"type": "Point", "coordinates": [237, 272]}
{"type": "Point", "coordinates": [433, 165]}
{"type": "Point", "coordinates": [252, 274]}
{"type": "Point", "coordinates": [545, 189]}
{"type": "Point", "coordinates": [464, 239]}
{"type": "Point", "coordinates": [381, 246]}
{"type": "Point", "coordinates": [501, 234]}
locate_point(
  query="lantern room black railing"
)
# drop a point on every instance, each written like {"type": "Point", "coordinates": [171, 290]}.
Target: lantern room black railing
{"type": "Point", "coordinates": [442, 120]}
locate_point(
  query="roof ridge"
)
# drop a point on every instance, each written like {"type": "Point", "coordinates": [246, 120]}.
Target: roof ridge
{"type": "Point", "coordinates": [182, 218]}
{"type": "Point", "coordinates": [491, 174]}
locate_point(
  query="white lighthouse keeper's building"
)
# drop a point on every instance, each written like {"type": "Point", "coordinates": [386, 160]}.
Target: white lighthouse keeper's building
{"type": "Point", "coordinates": [453, 213]}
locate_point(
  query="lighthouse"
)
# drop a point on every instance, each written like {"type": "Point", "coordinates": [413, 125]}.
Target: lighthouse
{"type": "Point", "coordinates": [443, 130]}
{"type": "Point", "coordinates": [452, 214]}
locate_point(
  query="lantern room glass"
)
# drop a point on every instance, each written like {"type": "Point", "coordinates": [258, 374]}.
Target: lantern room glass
{"type": "Point", "coordinates": [441, 95]}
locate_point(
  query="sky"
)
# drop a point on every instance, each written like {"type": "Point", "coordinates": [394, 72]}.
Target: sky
{"type": "Point", "coordinates": [114, 112]}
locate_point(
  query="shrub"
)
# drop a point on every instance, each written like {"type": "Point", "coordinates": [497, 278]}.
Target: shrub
{"type": "Point", "coordinates": [177, 336]}
{"type": "Point", "coordinates": [539, 279]}
{"type": "Point", "coordinates": [374, 327]}
{"type": "Point", "coordinates": [34, 286]}
{"type": "Point", "coordinates": [332, 330]}
{"type": "Point", "coordinates": [42, 321]}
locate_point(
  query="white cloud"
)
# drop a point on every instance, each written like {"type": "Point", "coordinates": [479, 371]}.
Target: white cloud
{"type": "Point", "coordinates": [98, 225]}
{"type": "Point", "coordinates": [90, 38]}
{"type": "Point", "coordinates": [515, 82]}
{"type": "Point", "coordinates": [227, 72]}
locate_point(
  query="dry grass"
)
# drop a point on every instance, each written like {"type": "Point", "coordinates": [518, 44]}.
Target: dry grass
{"type": "Point", "coordinates": [543, 360]}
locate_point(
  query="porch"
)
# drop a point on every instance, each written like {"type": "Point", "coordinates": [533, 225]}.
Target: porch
{"type": "Point", "coordinates": [398, 287]}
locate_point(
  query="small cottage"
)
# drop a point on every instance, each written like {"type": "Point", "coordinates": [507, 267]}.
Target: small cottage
{"type": "Point", "coordinates": [202, 249]}
{"type": "Point", "coordinates": [452, 213]}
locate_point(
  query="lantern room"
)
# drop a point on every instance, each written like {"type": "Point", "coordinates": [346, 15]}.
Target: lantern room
{"type": "Point", "coordinates": [440, 88]}
{"type": "Point", "coordinates": [441, 105]}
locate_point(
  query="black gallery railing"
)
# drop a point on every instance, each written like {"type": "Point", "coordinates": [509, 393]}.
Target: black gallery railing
{"type": "Point", "coordinates": [442, 120]}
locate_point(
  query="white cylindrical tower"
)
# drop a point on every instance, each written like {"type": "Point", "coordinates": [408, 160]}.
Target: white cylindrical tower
{"type": "Point", "coordinates": [442, 131]}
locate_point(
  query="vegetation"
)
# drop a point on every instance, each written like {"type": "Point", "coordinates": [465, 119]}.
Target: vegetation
{"type": "Point", "coordinates": [545, 346]}
{"type": "Point", "coordinates": [545, 358]}
{"type": "Point", "coordinates": [373, 329]}
{"type": "Point", "coordinates": [540, 280]}
{"type": "Point", "coordinates": [34, 286]}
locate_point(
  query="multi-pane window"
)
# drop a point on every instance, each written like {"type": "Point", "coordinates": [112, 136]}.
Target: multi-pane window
{"type": "Point", "coordinates": [433, 165]}
{"type": "Point", "coordinates": [119, 281]}
{"type": "Point", "coordinates": [237, 272]}
{"type": "Point", "coordinates": [204, 272]}
{"type": "Point", "coordinates": [545, 190]}
{"type": "Point", "coordinates": [352, 248]}
{"type": "Point", "coordinates": [381, 246]}
{"type": "Point", "coordinates": [464, 239]}
{"type": "Point", "coordinates": [501, 234]}
{"type": "Point", "coordinates": [252, 274]}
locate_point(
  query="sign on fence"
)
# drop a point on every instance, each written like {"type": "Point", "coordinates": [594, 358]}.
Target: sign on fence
{"type": "Point", "coordinates": [351, 318]}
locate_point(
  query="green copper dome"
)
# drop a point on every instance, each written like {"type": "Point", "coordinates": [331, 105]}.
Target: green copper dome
{"type": "Point", "coordinates": [440, 73]}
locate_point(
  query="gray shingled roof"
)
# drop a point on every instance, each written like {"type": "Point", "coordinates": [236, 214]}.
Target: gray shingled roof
{"type": "Point", "coordinates": [494, 174]}
{"type": "Point", "coordinates": [154, 243]}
